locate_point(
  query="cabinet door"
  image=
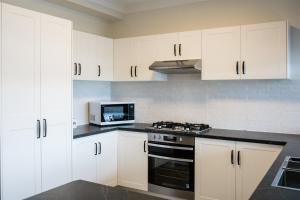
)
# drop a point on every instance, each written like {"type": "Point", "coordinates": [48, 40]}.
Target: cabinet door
{"type": "Point", "coordinates": [264, 50]}
{"type": "Point", "coordinates": [132, 160]}
{"type": "Point", "coordinates": [85, 159]}
{"type": "Point", "coordinates": [107, 162]}
{"type": "Point", "coordinates": [146, 54]}
{"type": "Point", "coordinates": [255, 161]}
{"type": "Point", "coordinates": [221, 53]}
{"type": "Point", "coordinates": [85, 56]}
{"type": "Point", "coordinates": [214, 171]}
{"type": "Point", "coordinates": [190, 45]}
{"type": "Point", "coordinates": [167, 46]}
{"type": "Point", "coordinates": [56, 101]}
{"type": "Point", "coordinates": [20, 147]}
{"type": "Point", "coordinates": [103, 69]}
{"type": "Point", "coordinates": [124, 59]}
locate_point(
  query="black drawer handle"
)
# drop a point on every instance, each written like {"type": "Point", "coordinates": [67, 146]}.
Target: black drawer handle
{"type": "Point", "coordinates": [179, 49]}
{"type": "Point", "coordinates": [239, 158]}
{"type": "Point", "coordinates": [145, 146]}
{"type": "Point", "coordinates": [45, 127]}
{"type": "Point", "coordinates": [75, 70]}
{"type": "Point", "coordinates": [244, 68]}
{"type": "Point", "coordinates": [232, 162]}
{"type": "Point", "coordinates": [237, 68]}
{"type": "Point", "coordinates": [100, 148]}
{"type": "Point", "coordinates": [131, 75]}
{"type": "Point", "coordinates": [38, 128]}
{"type": "Point", "coordinates": [99, 70]}
{"type": "Point", "coordinates": [96, 149]}
{"type": "Point", "coordinates": [135, 71]}
{"type": "Point", "coordinates": [79, 73]}
{"type": "Point", "coordinates": [175, 49]}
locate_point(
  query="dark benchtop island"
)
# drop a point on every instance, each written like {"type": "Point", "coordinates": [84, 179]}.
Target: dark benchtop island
{"type": "Point", "coordinates": [264, 191]}
{"type": "Point", "coordinates": [83, 190]}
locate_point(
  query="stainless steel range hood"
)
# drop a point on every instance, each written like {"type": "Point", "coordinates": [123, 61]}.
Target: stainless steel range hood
{"type": "Point", "coordinates": [177, 66]}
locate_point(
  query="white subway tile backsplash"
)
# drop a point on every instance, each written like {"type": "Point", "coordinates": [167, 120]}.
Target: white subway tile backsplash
{"type": "Point", "coordinates": [85, 91]}
{"type": "Point", "coordinates": [258, 105]}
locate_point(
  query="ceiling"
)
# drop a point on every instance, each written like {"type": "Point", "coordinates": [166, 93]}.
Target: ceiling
{"type": "Point", "coordinates": [116, 9]}
{"type": "Point", "coordinates": [131, 6]}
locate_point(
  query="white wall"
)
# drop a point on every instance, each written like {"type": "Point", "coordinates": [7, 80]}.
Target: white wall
{"type": "Point", "coordinates": [85, 91]}
{"type": "Point", "coordinates": [207, 14]}
{"type": "Point", "coordinates": [81, 21]}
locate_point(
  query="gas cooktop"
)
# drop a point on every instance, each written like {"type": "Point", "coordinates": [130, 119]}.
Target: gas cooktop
{"type": "Point", "coordinates": [189, 128]}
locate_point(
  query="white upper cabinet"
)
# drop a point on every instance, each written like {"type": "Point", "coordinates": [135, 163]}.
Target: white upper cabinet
{"type": "Point", "coordinates": [124, 59]}
{"type": "Point", "coordinates": [256, 51]}
{"type": "Point", "coordinates": [104, 59]}
{"type": "Point", "coordinates": [132, 58]}
{"type": "Point", "coordinates": [264, 51]}
{"type": "Point", "coordinates": [221, 53]}
{"type": "Point", "coordinates": [189, 45]}
{"type": "Point", "coordinates": [93, 57]}
{"type": "Point", "coordinates": [166, 46]}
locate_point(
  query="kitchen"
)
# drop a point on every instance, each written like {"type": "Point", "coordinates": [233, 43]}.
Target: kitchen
{"type": "Point", "coordinates": [233, 99]}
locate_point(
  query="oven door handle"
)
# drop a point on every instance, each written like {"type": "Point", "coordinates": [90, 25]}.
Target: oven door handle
{"type": "Point", "coordinates": [171, 147]}
{"type": "Point", "coordinates": [170, 158]}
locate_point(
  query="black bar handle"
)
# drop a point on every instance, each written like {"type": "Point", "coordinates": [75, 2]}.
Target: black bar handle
{"type": "Point", "coordinates": [99, 70]}
{"type": "Point", "coordinates": [38, 128]}
{"type": "Point", "coordinates": [79, 73]}
{"type": "Point", "coordinates": [239, 158]}
{"type": "Point", "coordinates": [96, 149]}
{"type": "Point", "coordinates": [100, 148]}
{"type": "Point", "coordinates": [131, 71]}
{"type": "Point", "coordinates": [232, 162]}
{"type": "Point", "coordinates": [45, 127]}
{"type": "Point", "coordinates": [145, 146]}
{"type": "Point", "coordinates": [243, 68]}
{"type": "Point", "coordinates": [135, 71]}
{"type": "Point", "coordinates": [75, 70]}
{"type": "Point", "coordinates": [237, 68]}
{"type": "Point", "coordinates": [179, 49]}
{"type": "Point", "coordinates": [175, 50]}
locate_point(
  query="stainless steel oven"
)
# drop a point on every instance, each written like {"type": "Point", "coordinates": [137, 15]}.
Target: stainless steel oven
{"type": "Point", "coordinates": [171, 165]}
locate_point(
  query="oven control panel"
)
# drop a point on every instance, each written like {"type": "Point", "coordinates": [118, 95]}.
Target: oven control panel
{"type": "Point", "coordinates": [169, 138]}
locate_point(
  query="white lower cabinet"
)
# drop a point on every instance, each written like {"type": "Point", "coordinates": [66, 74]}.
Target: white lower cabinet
{"type": "Point", "coordinates": [95, 159]}
{"type": "Point", "coordinates": [227, 170]}
{"type": "Point", "coordinates": [133, 160]}
{"type": "Point", "coordinates": [214, 173]}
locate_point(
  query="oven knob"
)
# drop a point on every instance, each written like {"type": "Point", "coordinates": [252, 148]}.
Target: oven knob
{"type": "Point", "coordinates": [159, 137]}
{"type": "Point", "coordinates": [154, 137]}
{"type": "Point", "coordinates": [180, 139]}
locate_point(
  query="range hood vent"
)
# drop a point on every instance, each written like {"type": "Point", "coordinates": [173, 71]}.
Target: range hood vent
{"type": "Point", "coordinates": [177, 66]}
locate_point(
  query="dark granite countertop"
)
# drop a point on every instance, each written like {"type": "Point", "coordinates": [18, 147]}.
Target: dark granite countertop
{"type": "Point", "coordinates": [290, 143]}
{"type": "Point", "coordinates": [83, 190]}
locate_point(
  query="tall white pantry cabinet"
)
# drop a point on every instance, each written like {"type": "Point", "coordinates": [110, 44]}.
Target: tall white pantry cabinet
{"type": "Point", "coordinates": [36, 91]}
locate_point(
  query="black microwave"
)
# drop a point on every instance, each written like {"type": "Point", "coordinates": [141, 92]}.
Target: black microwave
{"type": "Point", "coordinates": [111, 113]}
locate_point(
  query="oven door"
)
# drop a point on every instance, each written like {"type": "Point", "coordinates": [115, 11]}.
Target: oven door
{"type": "Point", "coordinates": [117, 114]}
{"type": "Point", "coordinates": [171, 166]}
